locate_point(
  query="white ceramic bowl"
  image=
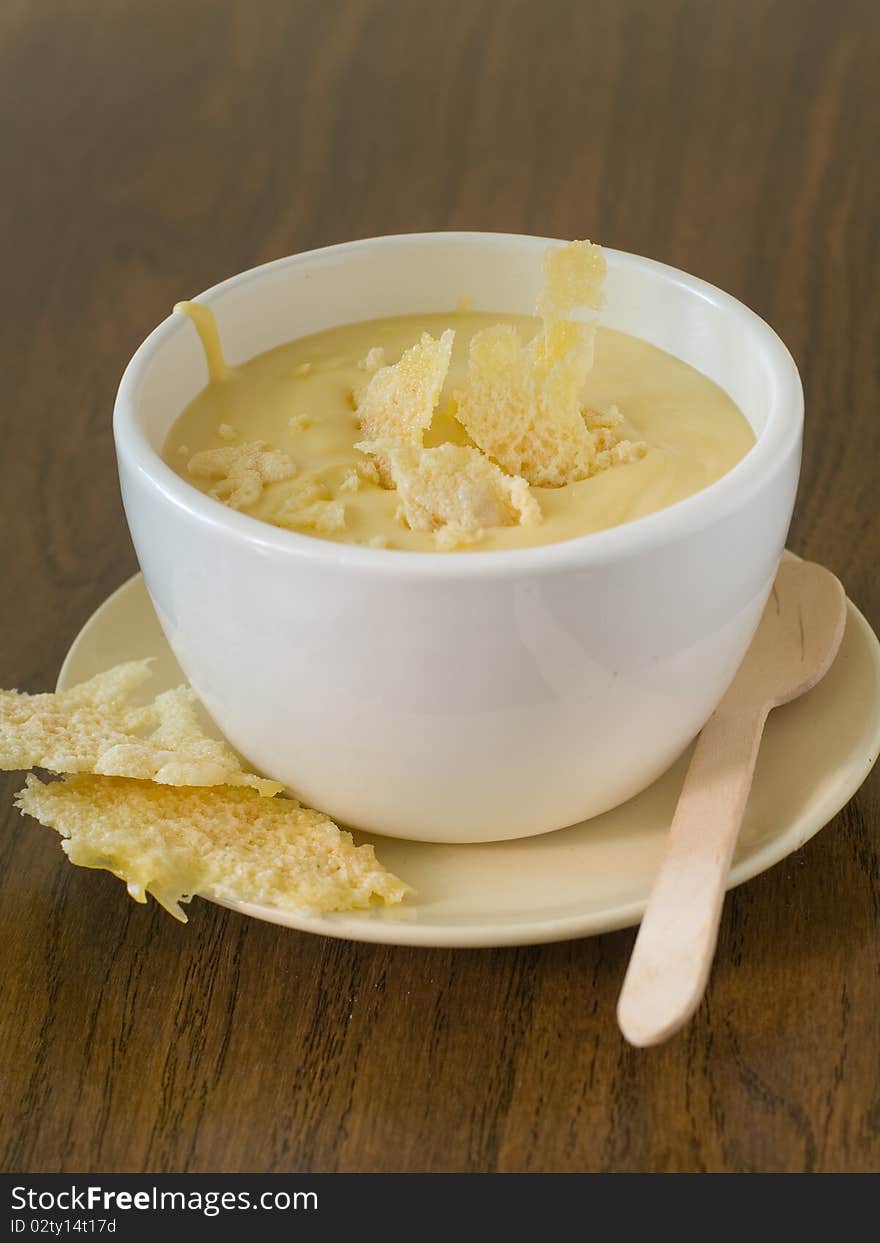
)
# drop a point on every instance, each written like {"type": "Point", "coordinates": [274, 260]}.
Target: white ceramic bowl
{"type": "Point", "coordinates": [470, 696]}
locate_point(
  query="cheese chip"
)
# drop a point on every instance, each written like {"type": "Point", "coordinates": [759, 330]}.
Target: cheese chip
{"type": "Point", "coordinates": [367, 471]}
{"type": "Point", "coordinates": [63, 732]}
{"type": "Point", "coordinates": [324, 517]}
{"type": "Point", "coordinates": [560, 339]}
{"type": "Point", "coordinates": [375, 359]}
{"type": "Point", "coordinates": [224, 843]}
{"type": "Point", "coordinates": [454, 486]}
{"type": "Point", "coordinates": [611, 448]}
{"type": "Point", "coordinates": [308, 505]}
{"type": "Point", "coordinates": [574, 275]}
{"type": "Point", "coordinates": [105, 690]}
{"type": "Point", "coordinates": [241, 471]}
{"type": "Point", "coordinates": [399, 400]}
{"type": "Point", "coordinates": [92, 728]}
{"type": "Point", "coordinates": [530, 424]}
{"type": "Point", "coordinates": [351, 480]}
{"type": "Point", "coordinates": [522, 403]}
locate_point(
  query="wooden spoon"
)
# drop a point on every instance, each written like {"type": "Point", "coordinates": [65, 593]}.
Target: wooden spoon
{"type": "Point", "coordinates": [793, 648]}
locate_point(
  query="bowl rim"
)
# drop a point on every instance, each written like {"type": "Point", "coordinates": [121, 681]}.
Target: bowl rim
{"type": "Point", "coordinates": [688, 516]}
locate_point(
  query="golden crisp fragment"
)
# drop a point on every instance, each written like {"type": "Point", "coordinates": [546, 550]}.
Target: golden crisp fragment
{"type": "Point", "coordinates": [522, 404]}
{"type": "Point", "coordinates": [308, 505]}
{"type": "Point", "coordinates": [107, 689]}
{"type": "Point", "coordinates": [612, 449]}
{"type": "Point", "coordinates": [351, 480]}
{"type": "Point", "coordinates": [367, 471]}
{"type": "Point", "coordinates": [532, 426]}
{"type": "Point", "coordinates": [399, 400]}
{"type": "Point", "coordinates": [451, 537]}
{"type": "Point", "coordinates": [241, 471]}
{"type": "Point", "coordinates": [225, 843]}
{"type": "Point", "coordinates": [375, 358]}
{"type": "Point", "coordinates": [94, 728]}
{"type": "Point", "coordinates": [324, 517]}
{"type": "Point", "coordinates": [574, 276]}
{"type": "Point", "coordinates": [454, 486]}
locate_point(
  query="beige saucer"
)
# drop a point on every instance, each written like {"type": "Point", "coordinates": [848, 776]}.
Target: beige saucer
{"type": "Point", "coordinates": [595, 876]}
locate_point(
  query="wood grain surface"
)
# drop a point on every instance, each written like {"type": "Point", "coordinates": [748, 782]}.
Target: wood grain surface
{"type": "Point", "coordinates": [148, 151]}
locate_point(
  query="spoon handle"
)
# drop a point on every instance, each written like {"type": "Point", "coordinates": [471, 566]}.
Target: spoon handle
{"type": "Point", "coordinates": [673, 952]}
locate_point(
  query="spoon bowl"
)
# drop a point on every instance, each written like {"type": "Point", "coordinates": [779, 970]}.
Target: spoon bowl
{"type": "Point", "coordinates": [800, 631]}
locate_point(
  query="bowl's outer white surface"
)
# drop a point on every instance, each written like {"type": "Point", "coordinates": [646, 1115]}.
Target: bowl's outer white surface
{"type": "Point", "coordinates": [590, 878]}
{"type": "Point", "coordinates": [479, 696]}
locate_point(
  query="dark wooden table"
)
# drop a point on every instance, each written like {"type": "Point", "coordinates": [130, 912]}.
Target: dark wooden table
{"type": "Point", "coordinates": [149, 150]}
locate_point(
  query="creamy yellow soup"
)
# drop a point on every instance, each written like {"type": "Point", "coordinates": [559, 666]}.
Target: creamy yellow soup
{"type": "Point", "coordinates": [298, 398]}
